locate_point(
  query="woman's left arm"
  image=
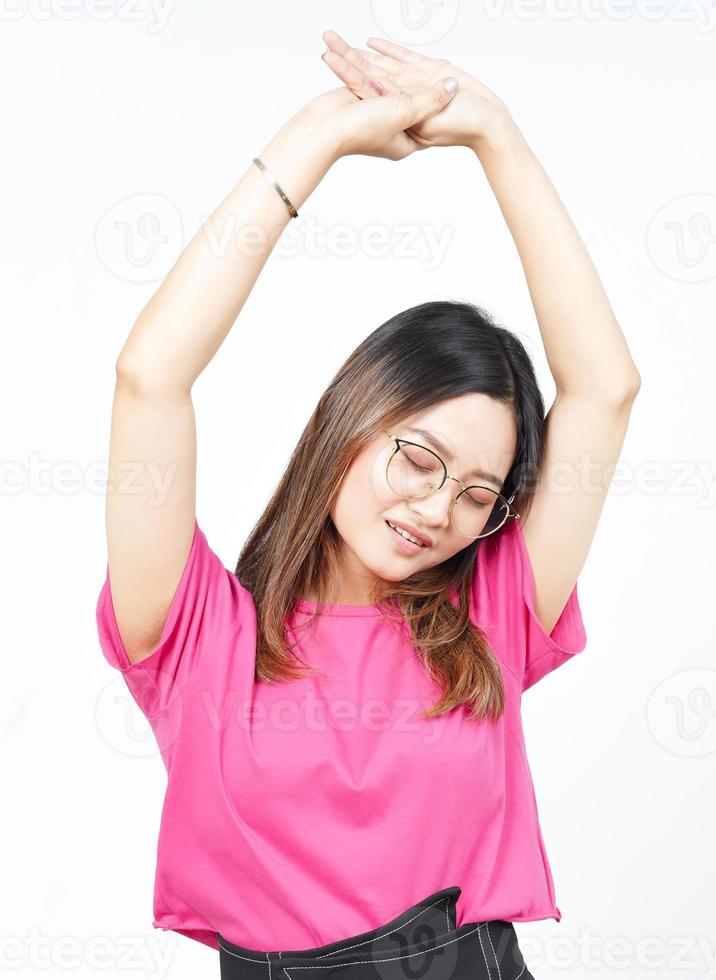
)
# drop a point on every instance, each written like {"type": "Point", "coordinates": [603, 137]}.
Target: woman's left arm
{"type": "Point", "coordinates": [585, 347]}
{"type": "Point", "coordinates": [595, 376]}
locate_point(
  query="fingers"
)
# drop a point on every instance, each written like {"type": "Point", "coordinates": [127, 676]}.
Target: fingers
{"type": "Point", "coordinates": [366, 60]}
{"type": "Point", "coordinates": [386, 86]}
{"type": "Point", "coordinates": [349, 74]}
{"type": "Point", "coordinates": [394, 50]}
{"type": "Point", "coordinates": [428, 102]}
{"type": "Point", "coordinates": [356, 79]}
{"type": "Point", "coordinates": [336, 44]}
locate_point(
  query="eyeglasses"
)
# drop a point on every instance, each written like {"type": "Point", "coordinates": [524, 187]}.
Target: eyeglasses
{"type": "Point", "coordinates": [414, 472]}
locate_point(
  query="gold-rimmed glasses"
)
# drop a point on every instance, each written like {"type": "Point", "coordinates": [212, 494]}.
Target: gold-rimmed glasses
{"type": "Point", "coordinates": [415, 472]}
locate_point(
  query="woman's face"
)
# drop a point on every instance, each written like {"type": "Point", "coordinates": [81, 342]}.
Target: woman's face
{"type": "Point", "coordinates": [479, 436]}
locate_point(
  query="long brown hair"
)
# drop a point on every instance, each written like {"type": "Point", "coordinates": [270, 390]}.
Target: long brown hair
{"type": "Point", "coordinates": [424, 355]}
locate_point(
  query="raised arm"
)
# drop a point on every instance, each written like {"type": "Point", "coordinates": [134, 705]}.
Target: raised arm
{"type": "Point", "coordinates": [595, 376]}
{"type": "Point", "coordinates": [150, 504]}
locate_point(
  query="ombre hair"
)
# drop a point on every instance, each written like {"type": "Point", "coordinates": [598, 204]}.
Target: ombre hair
{"type": "Point", "coordinates": [427, 354]}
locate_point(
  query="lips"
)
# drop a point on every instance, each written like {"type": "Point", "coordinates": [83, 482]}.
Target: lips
{"type": "Point", "coordinates": [426, 540]}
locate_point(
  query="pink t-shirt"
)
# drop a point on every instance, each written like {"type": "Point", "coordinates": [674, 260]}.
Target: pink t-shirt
{"type": "Point", "coordinates": [331, 793]}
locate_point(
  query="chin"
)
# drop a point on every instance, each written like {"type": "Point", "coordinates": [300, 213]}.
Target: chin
{"type": "Point", "coordinates": [390, 568]}
{"type": "Point", "coordinates": [378, 561]}
{"type": "Point", "coordinates": [382, 568]}
{"type": "Point", "coordinates": [390, 575]}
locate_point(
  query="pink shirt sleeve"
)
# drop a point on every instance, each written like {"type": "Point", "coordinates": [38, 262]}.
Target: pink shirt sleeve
{"type": "Point", "coordinates": [207, 599]}
{"type": "Point", "coordinates": [503, 604]}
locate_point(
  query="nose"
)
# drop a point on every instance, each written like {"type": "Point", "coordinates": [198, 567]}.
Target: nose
{"type": "Point", "coordinates": [435, 509]}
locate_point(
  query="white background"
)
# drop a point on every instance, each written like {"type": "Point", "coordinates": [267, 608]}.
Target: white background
{"type": "Point", "coordinates": [104, 104]}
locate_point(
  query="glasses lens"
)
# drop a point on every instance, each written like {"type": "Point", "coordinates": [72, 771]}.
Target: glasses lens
{"type": "Point", "coordinates": [479, 511]}
{"type": "Point", "coordinates": [414, 471]}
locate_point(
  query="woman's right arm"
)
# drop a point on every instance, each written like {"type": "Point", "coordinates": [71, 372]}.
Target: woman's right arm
{"type": "Point", "coordinates": [150, 502]}
{"type": "Point", "coordinates": [150, 505]}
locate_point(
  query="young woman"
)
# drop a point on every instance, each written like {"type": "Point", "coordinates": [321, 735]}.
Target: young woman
{"type": "Point", "coordinates": [348, 787]}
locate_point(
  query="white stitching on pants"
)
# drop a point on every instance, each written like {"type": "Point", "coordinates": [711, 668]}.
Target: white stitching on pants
{"type": "Point", "coordinates": [417, 915]}
{"type": "Point", "coordinates": [269, 965]}
{"type": "Point", "coordinates": [387, 959]}
{"type": "Point", "coordinates": [483, 950]}
{"type": "Point", "coordinates": [249, 959]}
{"type": "Point", "coordinates": [344, 949]}
{"type": "Point", "coordinates": [487, 930]}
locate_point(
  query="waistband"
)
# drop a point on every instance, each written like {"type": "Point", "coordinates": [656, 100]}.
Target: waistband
{"type": "Point", "coordinates": [423, 941]}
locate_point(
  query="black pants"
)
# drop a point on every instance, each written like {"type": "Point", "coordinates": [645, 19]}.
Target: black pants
{"type": "Point", "coordinates": [422, 943]}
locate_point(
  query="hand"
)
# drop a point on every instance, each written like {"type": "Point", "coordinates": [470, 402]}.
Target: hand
{"type": "Point", "coordinates": [376, 127]}
{"type": "Point", "coordinates": [470, 116]}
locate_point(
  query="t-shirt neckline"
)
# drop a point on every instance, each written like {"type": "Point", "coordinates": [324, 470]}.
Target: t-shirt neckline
{"type": "Point", "coordinates": [337, 609]}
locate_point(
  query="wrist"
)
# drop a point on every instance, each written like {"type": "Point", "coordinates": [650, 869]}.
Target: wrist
{"type": "Point", "coordinates": [310, 135]}
{"type": "Point", "coordinates": [498, 134]}
{"type": "Point", "coordinates": [299, 155]}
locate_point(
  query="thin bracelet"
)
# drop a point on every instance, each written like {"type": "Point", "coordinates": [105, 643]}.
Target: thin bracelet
{"type": "Point", "coordinates": [272, 180]}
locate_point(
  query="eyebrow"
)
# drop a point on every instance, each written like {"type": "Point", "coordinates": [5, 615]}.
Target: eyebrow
{"type": "Point", "coordinates": [441, 448]}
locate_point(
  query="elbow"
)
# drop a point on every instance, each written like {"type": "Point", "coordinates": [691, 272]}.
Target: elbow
{"type": "Point", "coordinates": [630, 389]}
{"type": "Point", "coordinates": [620, 394]}
{"type": "Point", "coordinates": [137, 378]}
{"type": "Point", "coordinates": [129, 368]}
{"type": "Point", "coordinates": [623, 396]}
{"type": "Point", "coordinates": [128, 377]}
